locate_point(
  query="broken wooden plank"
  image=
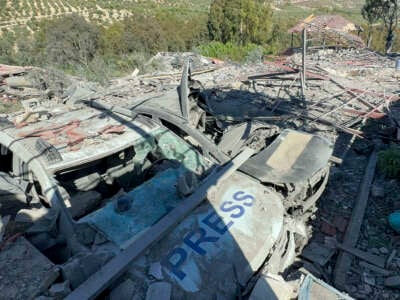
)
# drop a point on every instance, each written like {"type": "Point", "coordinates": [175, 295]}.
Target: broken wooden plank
{"type": "Point", "coordinates": [353, 229]}
{"type": "Point", "coordinates": [322, 121]}
{"type": "Point", "coordinates": [339, 107]}
{"type": "Point", "coordinates": [375, 269]}
{"type": "Point", "coordinates": [322, 100]}
{"type": "Point", "coordinates": [118, 265]}
{"type": "Point", "coordinates": [393, 282]}
{"type": "Point", "coordinates": [390, 258]}
{"type": "Point", "coordinates": [376, 260]}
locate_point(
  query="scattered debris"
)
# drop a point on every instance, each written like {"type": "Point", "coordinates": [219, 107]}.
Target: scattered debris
{"type": "Point", "coordinates": [3, 224]}
{"type": "Point", "coordinates": [24, 271]}
{"type": "Point", "coordinates": [371, 258]}
{"type": "Point", "coordinates": [155, 271]}
{"type": "Point", "coordinates": [80, 267]}
{"type": "Point", "coordinates": [393, 282]}
{"type": "Point", "coordinates": [373, 268]}
{"type": "Point", "coordinates": [125, 290]}
{"type": "Point", "coordinates": [344, 260]}
{"type": "Point", "coordinates": [159, 290]}
{"type": "Point", "coordinates": [76, 127]}
{"type": "Point", "coordinates": [330, 28]}
{"type": "Point", "coordinates": [390, 258]}
{"type": "Point", "coordinates": [318, 253]}
{"type": "Point", "coordinates": [60, 290]}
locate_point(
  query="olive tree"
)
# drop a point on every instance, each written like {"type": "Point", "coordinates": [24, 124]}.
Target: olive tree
{"type": "Point", "coordinates": [240, 21]}
{"type": "Point", "coordinates": [71, 40]}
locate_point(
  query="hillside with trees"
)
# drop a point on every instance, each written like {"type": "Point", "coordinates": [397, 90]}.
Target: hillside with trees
{"type": "Point", "coordinates": [103, 39]}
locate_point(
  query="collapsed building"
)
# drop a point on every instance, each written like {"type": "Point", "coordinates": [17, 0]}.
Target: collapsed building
{"type": "Point", "coordinates": [202, 183]}
{"type": "Point", "coordinates": [329, 31]}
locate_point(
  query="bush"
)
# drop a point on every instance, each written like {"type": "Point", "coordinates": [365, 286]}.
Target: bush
{"type": "Point", "coordinates": [389, 162]}
{"type": "Point", "coordinates": [231, 51]}
{"type": "Point", "coordinates": [6, 48]}
{"type": "Point", "coordinates": [71, 40]}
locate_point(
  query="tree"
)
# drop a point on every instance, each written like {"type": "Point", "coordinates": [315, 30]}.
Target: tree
{"type": "Point", "coordinates": [390, 16]}
{"type": "Point", "coordinates": [111, 39]}
{"type": "Point", "coordinates": [386, 10]}
{"type": "Point", "coordinates": [71, 40]}
{"type": "Point", "coordinates": [371, 12]}
{"type": "Point", "coordinates": [144, 34]}
{"type": "Point", "coordinates": [240, 21]}
{"type": "Point", "coordinates": [6, 48]}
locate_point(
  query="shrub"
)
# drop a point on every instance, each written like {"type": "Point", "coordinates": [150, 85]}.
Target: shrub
{"type": "Point", "coordinates": [71, 40]}
{"type": "Point", "coordinates": [389, 162]}
{"type": "Point", "coordinates": [6, 48]}
{"type": "Point", "coordinates": [230, 51]}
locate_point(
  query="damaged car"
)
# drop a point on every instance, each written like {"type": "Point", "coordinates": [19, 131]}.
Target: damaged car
{"type": "Point", "coordinates": [108, 194]}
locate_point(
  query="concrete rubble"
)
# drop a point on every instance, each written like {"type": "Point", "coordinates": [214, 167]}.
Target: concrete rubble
{"type": "Point", "coordinates": [350, 98]}
{"type": "Point", "coordinates": [271, 286]}
{"type": "Point", "coordinates": [159, 290]}
{"type": "Point", "coordinates": [24, 271]}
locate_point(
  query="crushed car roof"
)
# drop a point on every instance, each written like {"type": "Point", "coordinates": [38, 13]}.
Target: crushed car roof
{"type": "Point", "coordinates": [69, 138]}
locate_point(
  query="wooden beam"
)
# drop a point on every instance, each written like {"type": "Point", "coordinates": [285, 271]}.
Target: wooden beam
{"type": "Point", "coordinates": [304, 54]}
{"type": "Point", "coordinates": [375, 260]}
{"type": "Point", "coordinates": [339, 107]}
{"type": "Point", "coordinates": [375, 269]}
{"type": "Point", "coordinates": [301, 115]}
{"type": "Point", "coordinates": [344, 260]}
{"type": "Point", "coordinates": [99, 281]}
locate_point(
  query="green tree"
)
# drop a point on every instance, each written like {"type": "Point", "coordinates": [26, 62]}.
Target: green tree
{"type": "Point", "coordinates": [390, 16]}
{"type": "Point", "coordinates": [386, 10]}
{"type": "Point", "coordinates": [371, 12]}
{"type": "Point", "coordinates": [6, 48]}
{"type": "Point", "coordinates": [143, 34]}
{"type": "Point", "coordinates": [240, 21]}
{"type": "Point", "coordinates": [111, 39]}
{"type": "Point", "coordinates": [71, 40]}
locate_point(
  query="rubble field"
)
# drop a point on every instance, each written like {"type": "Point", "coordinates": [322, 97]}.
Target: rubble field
{"type": "Point", "coordinates": [350, 97]}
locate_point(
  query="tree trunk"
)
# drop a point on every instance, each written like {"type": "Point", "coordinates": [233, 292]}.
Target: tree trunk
{"type": "Point", "coordinates": [389, 41]}
{"type": "Point", "coordinates": [369, 41]}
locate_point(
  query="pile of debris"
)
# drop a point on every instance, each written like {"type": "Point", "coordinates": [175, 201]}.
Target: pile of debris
{"type": "Point", "coordinates": [25, 88]}
{"type": "Point", "coordinates": [330, 30]}
{"type": "Point", "coordinates": [348, 97]}
{"type": "Point", "coordinates": [347, 90]}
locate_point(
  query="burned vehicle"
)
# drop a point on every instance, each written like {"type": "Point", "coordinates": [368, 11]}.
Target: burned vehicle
{"type": "Point", "coordinates": [230, 124]}
{"type": "Point", "coordinates": [108, 194]}
{"type": "Point", "coordinates": [195, 114]}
